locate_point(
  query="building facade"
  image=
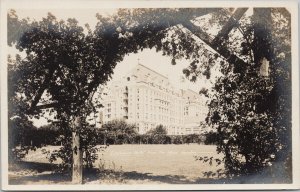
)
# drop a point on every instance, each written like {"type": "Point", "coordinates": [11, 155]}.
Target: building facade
{"type": "Point", "coordinates": [146, 98]}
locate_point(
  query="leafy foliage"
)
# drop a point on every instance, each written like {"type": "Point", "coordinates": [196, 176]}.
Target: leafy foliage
{"type": "Point", "coordinates": [251, 112]}
{"type": "Point", "coordinates": [118, 131]}
{"type": "Point", "coordinates": [64, 66]}
{"type": "Point", "coordinates": [158, 134]}
{"type": "Point", "coordinates": [158, 130]}
{"type": "Point", "coordinates": [211, 138]}
{"type": "Point", "coordinates": [19, 144]}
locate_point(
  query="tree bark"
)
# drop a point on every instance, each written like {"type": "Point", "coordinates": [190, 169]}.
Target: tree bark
{"type": "Point", "coordinates": [77, 154]}
{"type": "Point", "coordinates": [105, 137]}
{"type": "Point", "coordinates": [262, 21]}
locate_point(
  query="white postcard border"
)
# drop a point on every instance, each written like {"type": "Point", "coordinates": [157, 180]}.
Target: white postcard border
{"type": "Point", "coordinates": [35, 4]}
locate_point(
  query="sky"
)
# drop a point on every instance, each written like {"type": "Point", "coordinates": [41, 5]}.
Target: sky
{"type": "Point", "coordinates": [162, 64]}
{"type": "Point", "coordinates": [83, 16]}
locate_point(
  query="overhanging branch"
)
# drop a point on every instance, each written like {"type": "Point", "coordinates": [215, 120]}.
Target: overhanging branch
{"type": "Point", "coordinates": [46, 106]}
{"type": "Point", "coordinates": [182, 16]}
{"type": "Point", "coordinates": [219, 48]}
{"type": "Point", "coordinates": [231, 23]}
{"type": "Point", "coordinates": [42, 88]}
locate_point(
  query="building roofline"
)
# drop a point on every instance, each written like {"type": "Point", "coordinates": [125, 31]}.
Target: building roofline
{"type": "Point", "coordinates": [185, 90]}
{"type": "Point", "coordinates": [193, 91]}
{"type": "Point", "coordinates": [153, 71]}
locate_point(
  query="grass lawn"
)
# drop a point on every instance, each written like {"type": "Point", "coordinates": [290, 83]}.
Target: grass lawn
{"type": "Point", "coordinates": [133, 164]}
{"type": "Point", "coordinates": [159, 159]}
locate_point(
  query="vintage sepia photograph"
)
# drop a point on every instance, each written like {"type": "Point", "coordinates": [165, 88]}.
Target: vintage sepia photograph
{"type": "Point", "coordinates": [149, 95]}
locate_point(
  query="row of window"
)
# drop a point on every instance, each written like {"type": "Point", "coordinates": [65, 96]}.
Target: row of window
{"type": "Point", "coordinates": [171, 130]}
{"type": "Point", "coordinates": [152, 108]}
{"type": "Point", "coordinates": [161, 110]}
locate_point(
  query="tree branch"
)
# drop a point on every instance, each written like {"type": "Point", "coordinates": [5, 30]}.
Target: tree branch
{"type": "Point", "coordinates": [231, 23]}
{"type": "Point", "coordinates": [219, 48]}
{"type": "Point", "coordinates": [182, 16]}
{"type": "Point", "coordinates": [46, 106]}
{"type": "Point", "coordinates": [164, 23]}
{"type": "Point", "coordinates": [42, 88]}
{"type": "Point", "coordinates": [284, 12]}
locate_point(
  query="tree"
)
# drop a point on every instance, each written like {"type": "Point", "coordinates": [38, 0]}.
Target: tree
{"type": "Point", "coordinates": [158, 134]}
{"type": "Point", "coordinates": [158, 130]}
{"type": "Point", "coordinates": [58, 66]}
{"type": "Point", "coordinates": [66, 66]}
{"type": "Point", "coordinates": [119, 130]}
{"type": "Point", "coordinates": [211, 138]}
{"type": "Point", "coordinates": [251, 110]}
{"type": "Point", "coordinates": [18, 144]}
{"type": "Point", "coordinates": [245, 89]}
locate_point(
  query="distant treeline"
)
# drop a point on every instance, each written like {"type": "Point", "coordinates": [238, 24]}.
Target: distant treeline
{"type": "Point", "coordinates": [152, 139]}
{"type": "Point", "coordinates": [24, 133]}
{"type": "Point", "coordinates": [115, 132]}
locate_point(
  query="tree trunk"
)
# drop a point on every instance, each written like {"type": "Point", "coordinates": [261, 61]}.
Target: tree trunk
{"type": "Point", "coordinates": [77, 154]}
{"type": "Point", "coordinates": [105, 137]}
{"type": "Point", "coordinates": [262, 35]}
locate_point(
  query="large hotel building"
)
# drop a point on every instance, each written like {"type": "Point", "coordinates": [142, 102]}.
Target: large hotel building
{"type": "Point", "coordinates": [146, 98]}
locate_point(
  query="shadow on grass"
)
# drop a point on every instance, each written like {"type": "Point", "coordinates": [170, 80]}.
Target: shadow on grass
{"type": "Point", "coordinates": [124, 177]}
{"type": "Point", "coordinates": [43, 173]}
{"type": "Point", "coordinates": [49, 178]}
{"type": "Point", "coordinates": [121, 177]}
{"type": "Point", "coordinates": [32, 166]}
{"type": "Point", "coordinates": [23, 172]}
{"type": "Point", "coordinates": [95, 176]}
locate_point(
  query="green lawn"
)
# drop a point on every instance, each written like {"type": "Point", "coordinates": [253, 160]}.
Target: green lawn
{"type": "Point", "coordinates": [137, 164]}
{"type": "Point", "coordinates": [160, 159]}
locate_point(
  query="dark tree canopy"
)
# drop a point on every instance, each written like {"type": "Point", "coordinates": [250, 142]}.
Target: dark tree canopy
{"type": "Point", "coordinates": [252, 111]}
{"type": "Point", "coordinates": [68, 65]}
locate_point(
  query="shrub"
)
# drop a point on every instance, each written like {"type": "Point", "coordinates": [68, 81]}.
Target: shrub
{"type": "Point", "coordinates": [211, 138]}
